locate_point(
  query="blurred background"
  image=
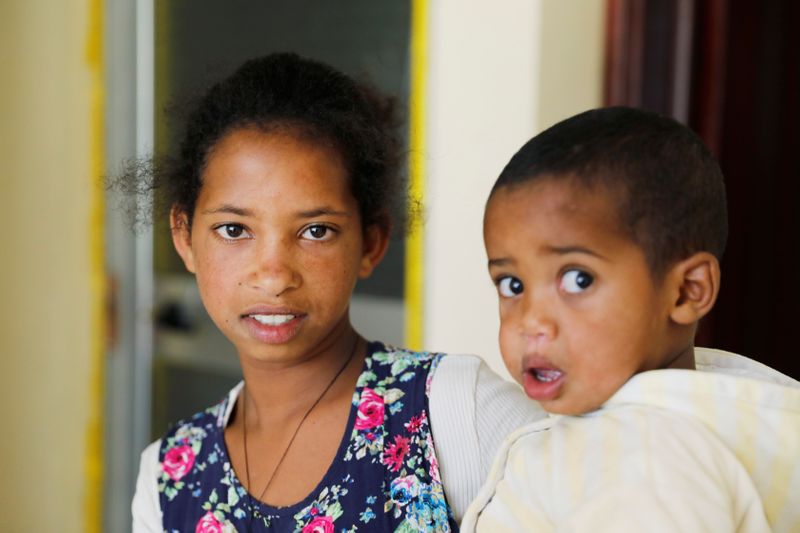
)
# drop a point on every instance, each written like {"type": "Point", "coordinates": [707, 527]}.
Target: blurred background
{"type": "Point", "coordinates": [103, 340]}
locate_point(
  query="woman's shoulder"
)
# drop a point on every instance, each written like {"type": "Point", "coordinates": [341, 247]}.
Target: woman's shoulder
{"type": "Point", "coordinates": [467, 364]}
{"type": "Point", "coordinates": [185, 438]}
{"type": "Point", "coordinates": [385, 353]}
{"type": "Point", "coordinates": [449, 374]}
{"type": "Point", "coordinates": [390, 364]}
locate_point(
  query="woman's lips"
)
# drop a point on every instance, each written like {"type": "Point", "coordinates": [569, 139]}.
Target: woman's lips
{"type": "Point", "coordinates": [541, 380]}
{"type": "Point", "coordinates": [273, 327]}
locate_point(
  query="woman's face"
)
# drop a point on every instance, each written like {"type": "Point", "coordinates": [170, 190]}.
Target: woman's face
{"type": "Point", "coordinates": [276, 244]}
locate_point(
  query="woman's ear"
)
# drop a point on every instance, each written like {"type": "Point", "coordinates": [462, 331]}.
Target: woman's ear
{"type": "Point", "coordinates": [697, 281]}
{"type": "Point", "coordinates": [182, 237]}
{"type": "Point", "coordinates": [376, 242]}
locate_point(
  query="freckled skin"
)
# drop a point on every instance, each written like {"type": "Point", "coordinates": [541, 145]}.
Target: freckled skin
{"type": "Point", "coordinates": [277, 229]}
{"type": "Point", "coordinates": [598, 337]}
{"type": "Point", "coordinates": [274, 179]}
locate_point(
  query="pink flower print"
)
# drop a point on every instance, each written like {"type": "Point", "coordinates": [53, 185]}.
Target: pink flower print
{"type": "Point", "coordinates": [208, 524]}
{"type": "Point", "coordinates": [433, 469]}
{"type": "Point", "coordinates": [396, 453]}
{"type": "Point", "coordinates": [178, 462]}
{"type": "Point", "coordinates": [320, 524]}
{"type": "Point", "coordinates": [415, 424]}
{"type": "Point", "coordinates": [370, 410]}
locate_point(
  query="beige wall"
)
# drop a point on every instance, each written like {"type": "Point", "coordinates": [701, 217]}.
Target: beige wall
{"type": "Point", "coordinates": [499, 73]}
{"type": "Point", "coordinates": [571, 55]}
{"type": "Point", "coordinates": [48, 274]}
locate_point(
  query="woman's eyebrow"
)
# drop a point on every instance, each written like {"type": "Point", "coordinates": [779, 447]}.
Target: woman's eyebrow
{"type": "Point", "coordinates": [227, 208]}
{"type": "Point", "coordinates": [241, 211]}
{"type": "Point", "coordinates": [322, 211]}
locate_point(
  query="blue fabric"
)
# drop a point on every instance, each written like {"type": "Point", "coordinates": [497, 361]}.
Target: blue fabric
{"type": "Point", "coordinates": [385, 476]}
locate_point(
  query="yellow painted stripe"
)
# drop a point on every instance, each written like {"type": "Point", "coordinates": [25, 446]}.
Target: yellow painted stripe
{"type": "Point", "coordinates": [415, 243]}
{"type": "Point", "coordinates": [94, 438]}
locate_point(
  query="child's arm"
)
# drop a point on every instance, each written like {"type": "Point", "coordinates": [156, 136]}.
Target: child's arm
{"type": "Point", "coordinates": [633, 469]}
{"type": "Point", "coordinates": [146, 508]}
{"type": "Point", "coordinates": [472, 411]}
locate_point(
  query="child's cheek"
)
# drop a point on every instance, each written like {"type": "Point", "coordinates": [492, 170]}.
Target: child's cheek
{"type": "Point", "coordinates": [510, 349]}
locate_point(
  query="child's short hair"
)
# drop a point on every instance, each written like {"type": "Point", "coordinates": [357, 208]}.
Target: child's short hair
{"type": "Point", "coordinates": [669, 189]}
{"type": "Point", "coordinates": [286, 93]}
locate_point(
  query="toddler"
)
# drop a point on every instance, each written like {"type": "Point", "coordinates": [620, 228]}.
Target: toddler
{"type": "Point", "coordinates": [604, 235]}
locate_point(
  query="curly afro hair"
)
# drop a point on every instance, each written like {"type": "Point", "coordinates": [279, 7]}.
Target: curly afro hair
{"type": "Point", "coordinates": [287, 93]}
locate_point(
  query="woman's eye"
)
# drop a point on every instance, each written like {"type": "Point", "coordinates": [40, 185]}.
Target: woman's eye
{"type": "Point", "coordinates": [231, 232]}
{"type": "Point", "coordinates": [575, 281]}
{"type": "Point", "coordinates": [509, 286]}
{"type": "Point", "coordinates": [317, 232]}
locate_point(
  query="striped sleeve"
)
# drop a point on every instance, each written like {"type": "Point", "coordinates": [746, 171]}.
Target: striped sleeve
{"type": "Point", "coordinates": [472, 411]}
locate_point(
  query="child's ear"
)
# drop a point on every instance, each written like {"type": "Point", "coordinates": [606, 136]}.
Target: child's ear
{"type": "Point", "coordinates": [697, 282]}
{"type": "Point", "coordinates": [182, 237]}
{"type": "Point", "coordinates": [376, 242]}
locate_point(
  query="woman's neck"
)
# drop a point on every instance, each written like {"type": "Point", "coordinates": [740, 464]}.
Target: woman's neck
{"type": "Point", "coordinates": [279, 391]}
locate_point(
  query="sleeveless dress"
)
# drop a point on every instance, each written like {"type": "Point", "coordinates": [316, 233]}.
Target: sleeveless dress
{"type": "Point", "coordinates": [384, 476]}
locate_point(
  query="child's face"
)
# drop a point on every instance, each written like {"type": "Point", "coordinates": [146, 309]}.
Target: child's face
{"type": "Point", "coordinates": [579, 310]}
{"type": "Point", "coordinates": [277, 245]}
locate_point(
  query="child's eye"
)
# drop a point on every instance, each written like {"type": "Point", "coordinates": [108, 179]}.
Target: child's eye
{"type": "Point", "coordinates": [232, 232]}
{"type": "Point", "coordinates": [575, 281]}
{"type": "Point", "coordinates": [317, 232]}
{"type": "Point", "coordinates": [509, 286]}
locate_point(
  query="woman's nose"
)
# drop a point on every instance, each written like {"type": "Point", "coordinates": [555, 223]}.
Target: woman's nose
{"type": "Point", "coordinates": [274, 270]}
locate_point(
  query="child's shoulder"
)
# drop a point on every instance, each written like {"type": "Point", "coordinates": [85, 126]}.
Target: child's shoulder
{"type": "Point", "coordinates": [715, 361]}
{"type": "Point", "coordinates": [618, 432]}
{"type": "Point", "coordinates": [634, 444]}
{"type": "Point", "coordinates": [560, 468]}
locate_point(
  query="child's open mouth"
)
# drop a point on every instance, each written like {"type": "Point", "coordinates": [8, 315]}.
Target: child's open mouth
{"type": "Point", "coordinates": [546, 375]}
{"type": "Point", "coordinates": [542, 383]}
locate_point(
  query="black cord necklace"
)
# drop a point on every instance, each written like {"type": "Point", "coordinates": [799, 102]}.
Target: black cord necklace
{"type": "Point", "coordinates": [254, 512]}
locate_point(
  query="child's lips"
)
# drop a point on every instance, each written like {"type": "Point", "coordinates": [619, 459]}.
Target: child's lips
{"type": "Point", "coordinates": [542, 381]}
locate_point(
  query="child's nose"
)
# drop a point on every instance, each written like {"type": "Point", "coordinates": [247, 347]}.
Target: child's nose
{"type": "Point", "coordinates": [273, 269]}
{"type": "Point", "coordinates": [538, 323]}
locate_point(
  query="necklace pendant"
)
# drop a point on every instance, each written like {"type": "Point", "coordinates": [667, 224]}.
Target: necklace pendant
{"type": "Point", "coordinates": [257, 514]}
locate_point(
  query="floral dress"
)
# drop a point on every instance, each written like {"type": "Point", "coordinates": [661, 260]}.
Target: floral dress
{"type": "Point", "coordinates": [384, 477]}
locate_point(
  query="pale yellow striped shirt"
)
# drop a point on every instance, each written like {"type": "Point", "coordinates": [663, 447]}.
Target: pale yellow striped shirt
{"type": "Point", "coordinates": [712, 450]}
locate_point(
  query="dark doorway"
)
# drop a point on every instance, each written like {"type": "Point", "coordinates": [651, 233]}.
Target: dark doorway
{"type": "Point", "coordinates": [730, 69]}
